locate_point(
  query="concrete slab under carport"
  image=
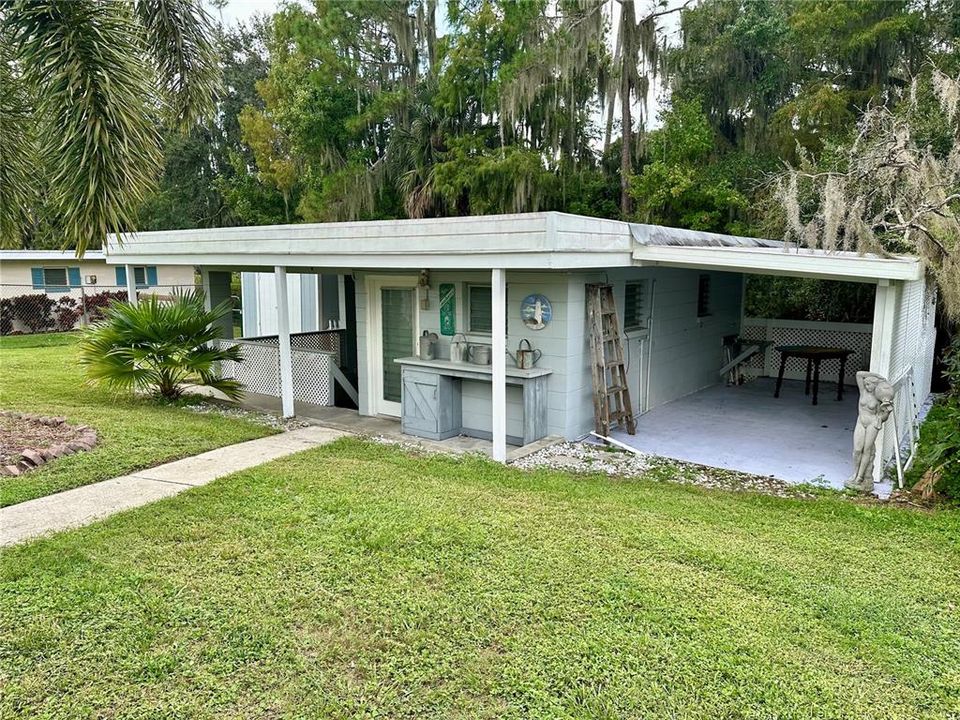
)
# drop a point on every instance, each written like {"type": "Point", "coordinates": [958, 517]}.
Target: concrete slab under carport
{"type": "Point", "coordinates": [745, 428]}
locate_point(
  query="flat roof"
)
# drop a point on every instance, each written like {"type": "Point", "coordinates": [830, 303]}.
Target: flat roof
{"type": "Point", "coordinates": [64, 255]}
{"type": "Point", "coordinates": [787, 261]}
{"type": "Point", "coordinates": [529, 241]}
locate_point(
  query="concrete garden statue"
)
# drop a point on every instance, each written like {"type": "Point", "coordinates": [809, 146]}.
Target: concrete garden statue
{"type": "Point", "coordinates": [876, 404]}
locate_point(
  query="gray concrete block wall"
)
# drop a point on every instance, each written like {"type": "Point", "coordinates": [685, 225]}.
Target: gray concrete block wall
{"type": "Point", "coordinates": [686, 350]}
{"type": "Point", "coordinates": [680, 351]}
{"type": "Point", "coordinates": [553, 341]}
{"type": "Point", "coordinates": [578, 406]}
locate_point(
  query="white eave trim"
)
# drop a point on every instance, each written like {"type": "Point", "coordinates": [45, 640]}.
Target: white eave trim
{"type": "Point", "coordinates": [771, 261]}
{"type": "Point", "coordinates": [389, 261]}
{"type": "Point", "coordinates": [61, 255]}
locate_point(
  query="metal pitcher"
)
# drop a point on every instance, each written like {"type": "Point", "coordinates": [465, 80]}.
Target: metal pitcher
{"type": "Point", "coordinates": [526, 357]}
{"type": "Point", "coordinates": [479, 354]}
{"type": "Point", "coordinates": [458, 348]}
{"type": "Point", "coordinates": [428, 345]}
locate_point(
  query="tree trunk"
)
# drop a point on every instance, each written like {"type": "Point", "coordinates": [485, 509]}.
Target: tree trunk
{"type": "Point", "coordinates": [626, 164]}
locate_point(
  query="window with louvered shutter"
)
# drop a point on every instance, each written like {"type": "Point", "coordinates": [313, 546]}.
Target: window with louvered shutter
{"type": "Point", "coordinates": [479, 309]}
{"type": "Point", "coordinates": [55, 277]}
{"type": "Point", "coordinates": [703, 296]}
{"type": "Point", "coordinates": [634, 305]}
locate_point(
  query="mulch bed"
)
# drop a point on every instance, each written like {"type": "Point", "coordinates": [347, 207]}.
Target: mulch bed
{"type": "Point", "coordinates": [29, 441]}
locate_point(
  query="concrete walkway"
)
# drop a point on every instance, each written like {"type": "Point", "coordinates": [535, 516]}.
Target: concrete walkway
{"type": "Point", "coordinates": [84, 505]}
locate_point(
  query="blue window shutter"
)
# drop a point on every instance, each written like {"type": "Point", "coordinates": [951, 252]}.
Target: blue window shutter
{"type": "Point", "coordinates": [36, 274]}
{"type": "Point", "coordinates": [152, 275]}
{"type": "Point", "coordinates": [121, 276]}
{"type": "Point", "coordinates": [73, 275]}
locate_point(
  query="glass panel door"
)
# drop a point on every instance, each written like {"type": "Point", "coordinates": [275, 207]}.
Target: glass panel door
{"type": "Point", "coordinates": [397, 329]}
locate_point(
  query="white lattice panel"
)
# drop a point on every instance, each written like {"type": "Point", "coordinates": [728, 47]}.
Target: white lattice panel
{"type": "Point", "coordinates": [851, 336]}
{"type": "Point", "coordinates": [260, 371]}
{"type": "Point", "coordinates": [325, 340]}
{"type": "Point", "coordinates": [313, 376]}
{"type": "Point", "coordinates": [911, 359]}
{"type": "Point", "coordinates": [905, 409]}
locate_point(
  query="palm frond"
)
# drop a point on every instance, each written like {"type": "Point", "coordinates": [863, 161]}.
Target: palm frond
{"type": "Point", "coordinates": [84, 63]}
{"type": "Point", "coordinates": [178, 34]}
{"type": "Point", "coordinates": [18, 149]}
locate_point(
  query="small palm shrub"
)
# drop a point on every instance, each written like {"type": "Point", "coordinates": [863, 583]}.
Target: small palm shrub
{"type": "Point", "coordinates": [159, 347]}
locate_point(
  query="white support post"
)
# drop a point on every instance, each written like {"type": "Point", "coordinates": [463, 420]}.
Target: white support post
{"type": "Point", "coordinates": [283, 333]}
{"type": "Point", "coordinates": [881, 351]}
{"type": "Point", "coordinates": [131, 285]}
{"type": "Point", "coordinates": [498, 291]}
{"type": "Point", "coordinates": [884, 310]}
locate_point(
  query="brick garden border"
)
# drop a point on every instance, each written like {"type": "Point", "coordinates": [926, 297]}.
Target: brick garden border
{"type": "Point", "coordinates": [35, 457]}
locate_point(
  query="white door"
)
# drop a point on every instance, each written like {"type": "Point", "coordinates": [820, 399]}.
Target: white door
{"type": "Point", "coordinates": [393, 334]}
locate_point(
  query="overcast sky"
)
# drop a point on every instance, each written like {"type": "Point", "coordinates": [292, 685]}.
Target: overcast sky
{"type": "Point", "coordinates": [238, 10]}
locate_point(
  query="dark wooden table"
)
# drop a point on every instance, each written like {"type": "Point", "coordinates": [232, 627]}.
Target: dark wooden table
{"type": "Point", "coordinates": [813, 354]}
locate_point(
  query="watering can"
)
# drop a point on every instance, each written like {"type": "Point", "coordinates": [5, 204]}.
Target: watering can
{"type": "Point", "coordinates": [458, 348]}
{"type": "Point", "coordinates": [479, 354]}
{"type": "Point", "coordinates": [428, 345]}
{"type": "Point", "coordinates": [526, 357]}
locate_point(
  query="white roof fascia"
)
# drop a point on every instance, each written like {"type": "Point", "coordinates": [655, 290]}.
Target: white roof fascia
{"type": "Point", "coordinates": [445, 261]}
{"type": "Point", "coordinates": [771, 261]}
{"type": "Point", "coordinates": [63, 255]}
{"type": "Point", "coordinates": [525, 240]}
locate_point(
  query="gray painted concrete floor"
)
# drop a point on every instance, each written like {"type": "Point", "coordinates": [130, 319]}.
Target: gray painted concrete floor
{"type": "Point", "coordinates": [84, 505]}
{"type": "Point", "coordinates": [745, 428]}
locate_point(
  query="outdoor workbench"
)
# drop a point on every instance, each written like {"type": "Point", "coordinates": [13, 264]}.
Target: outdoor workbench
{"type": "Point", "coordinates": [813, 354]}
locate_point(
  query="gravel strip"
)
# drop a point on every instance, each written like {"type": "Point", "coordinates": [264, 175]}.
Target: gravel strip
{"type": "Point", "coordinates": [591, 458]}
{"type": "Point", "coordinates": [255, 416]}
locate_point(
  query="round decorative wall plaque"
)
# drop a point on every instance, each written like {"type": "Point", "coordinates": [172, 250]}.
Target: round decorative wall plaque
{"type": "Point", "coordinates": [536, 312]}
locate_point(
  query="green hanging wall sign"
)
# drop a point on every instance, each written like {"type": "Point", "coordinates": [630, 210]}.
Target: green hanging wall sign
{"type": "Point", "coordinates": [448, 309]}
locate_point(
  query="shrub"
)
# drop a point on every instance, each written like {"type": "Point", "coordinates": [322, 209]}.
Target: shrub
{"type": "Point", "coordinates": [6, 317]}
{"type": "Point", "coordinates": [66, 312]}
{"type": "Point", "coordinates": [33, 311]}
{"type": "Point", "coordinates": [938, 453]}
{"type": "Point", "coordinates": [159, 347]}
{"type": "Point", "coordinates": [951, 365]}
{"type": "Point", "coordinates": [98, 303]}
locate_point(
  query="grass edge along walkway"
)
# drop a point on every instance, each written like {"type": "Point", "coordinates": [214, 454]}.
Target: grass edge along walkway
{"type": "Point", "coordinates": [89, 503]}
{"type": "Point", "coordinates": [359, 580]}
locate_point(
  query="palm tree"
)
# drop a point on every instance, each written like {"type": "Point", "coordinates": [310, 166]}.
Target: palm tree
{"type": "Point", "coordinates": [85, 87]}
{"type": "Point", "coordinates": [160, 346]}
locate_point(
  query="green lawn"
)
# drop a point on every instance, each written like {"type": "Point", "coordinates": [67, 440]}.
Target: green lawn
{"type": "Point", "coordinates": [39, 374]}
{"type": "Point", "coordinates": [356, 581]}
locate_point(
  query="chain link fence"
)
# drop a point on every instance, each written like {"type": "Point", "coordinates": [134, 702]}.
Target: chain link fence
{"type": "Point", "coordinates": [25, 310]}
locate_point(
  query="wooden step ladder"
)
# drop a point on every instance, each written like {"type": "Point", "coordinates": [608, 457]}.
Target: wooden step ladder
{"type": "Point", "coordinates": [611, 396]}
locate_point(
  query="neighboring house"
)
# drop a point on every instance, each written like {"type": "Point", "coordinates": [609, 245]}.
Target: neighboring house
{"type": "Point", "coordinates": [502, 279]}
{"type": "Point", "coordinates": [56, 272]}
{"type": "Point", "coordinates": [73, 286]}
